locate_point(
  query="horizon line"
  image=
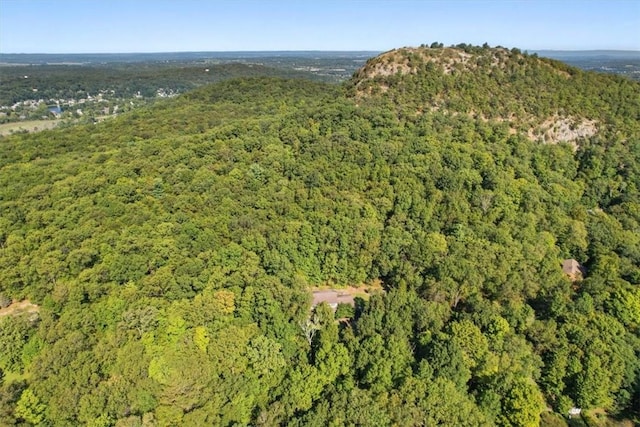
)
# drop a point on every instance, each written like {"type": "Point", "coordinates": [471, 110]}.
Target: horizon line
{"type": "Point", "coordinates": [187, 51]}
{"type": "Point", "coordinates": [297, 51]}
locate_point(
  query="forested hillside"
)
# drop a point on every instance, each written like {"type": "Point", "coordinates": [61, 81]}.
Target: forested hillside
{"type": "Point", "coordinates": [171, 252]}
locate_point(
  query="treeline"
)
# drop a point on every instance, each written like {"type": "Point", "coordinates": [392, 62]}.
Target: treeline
{"type": "Point", "coordinates": [171, 251]}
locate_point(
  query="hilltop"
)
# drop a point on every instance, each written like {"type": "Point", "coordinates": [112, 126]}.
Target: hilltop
{"type": "Point", "coordinates": [544, 99]}
{"type": "Point", "coordinates": [172, 252]}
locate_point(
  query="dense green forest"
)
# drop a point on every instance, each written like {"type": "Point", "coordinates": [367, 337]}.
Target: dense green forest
{"type": "Point", "coordinates": [171, 252]}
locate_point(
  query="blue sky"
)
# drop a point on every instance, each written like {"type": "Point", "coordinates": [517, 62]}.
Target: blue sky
{"type": "Point", "coordinates": [96, 26]}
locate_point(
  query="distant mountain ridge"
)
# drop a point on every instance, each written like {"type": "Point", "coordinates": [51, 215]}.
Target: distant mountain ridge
{"type": "Point", "coordinates": [623, 62]}
{"type": "Point", "coordinates": [602, 53]}
{"type": "Point", "coordinates": [102, 58]}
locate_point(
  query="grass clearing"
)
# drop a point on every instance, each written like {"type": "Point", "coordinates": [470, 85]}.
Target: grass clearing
{"type": "Point", "coordinates": [27, 126]}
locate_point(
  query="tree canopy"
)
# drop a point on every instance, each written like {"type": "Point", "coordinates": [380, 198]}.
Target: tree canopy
{"type": "Point", "coordinates": [171, 252]}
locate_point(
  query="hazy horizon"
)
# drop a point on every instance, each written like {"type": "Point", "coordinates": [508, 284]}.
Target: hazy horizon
{"type": "Point", "coordinates": [76, 26]}
{"type": "Point", "coordinates": [320, 51]}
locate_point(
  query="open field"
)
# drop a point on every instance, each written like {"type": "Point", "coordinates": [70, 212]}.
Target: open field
{"type": "Point", "coordinates": [28, 126]}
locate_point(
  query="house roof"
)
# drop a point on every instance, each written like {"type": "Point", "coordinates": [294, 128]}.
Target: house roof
{"type": "Point", "coordinates": [331, 297]}
{"type": "Point", "coordinates": [571, 266]}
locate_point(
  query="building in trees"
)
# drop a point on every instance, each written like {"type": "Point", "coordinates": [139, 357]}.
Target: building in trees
{"type": "Point", "coordinates": [573, 269]}
{"type": "Point", "coordinates": [332, 298]}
